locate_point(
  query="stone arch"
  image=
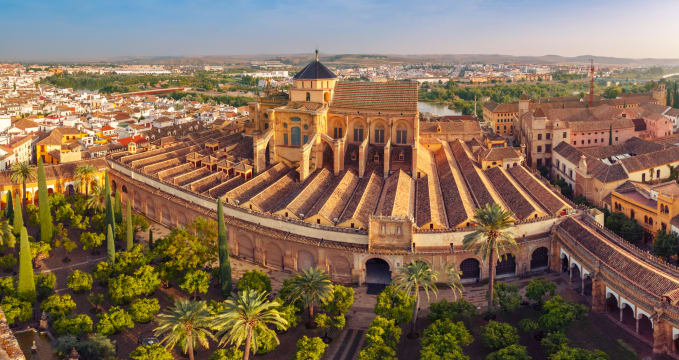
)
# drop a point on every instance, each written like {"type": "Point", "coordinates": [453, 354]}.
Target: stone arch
{"type": "Point", "coordinates": [471, 269]}
{"type": "Point", "coordinates": [274, 256]}
{"type": "Point", "coordinates": [165, 216]}
{"type": "Point", "coordinates": [565, 262]}
{"type": "Point", "coordinates": [305, 260]}
{"type": "Point", "coordinates": [401, 125]}
{"type": "Point", "coordinates": [539, 259]}
{"type": "Point", "coordinates": [336, 122]}
{"type": "Point", "coordinates": [356, 123]}
{"type": "Point", "coordinates": [124, 188]}
{"type": "Point", "coordinates": [645, 326]}
{"type": "Point", "coordinates": [70, 190]}
{"type": "Point", "coordinates": [340, 267]}
{"type": "Point", "coordinates": [114, 186]}
{"type": "Point", "coordinates": [246, 247]}
{"type": "Point", "coordinates": [377, 271]}
{"type": "Point", "coordinates": [628, 316]}
{"type": "Point", "coordinates": [379, 124]}
{"type": "Point", "coordinates": [612, 305]}
{"type": "Point", "coordinates": [506, 265]}
{"type": "Point", "coordinates": [587, 283]}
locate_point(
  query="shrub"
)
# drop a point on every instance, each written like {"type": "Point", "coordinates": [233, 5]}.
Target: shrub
{"type": "Point", "coordinates": [528, 325]}
{"type": "Point", "coordinates": [76, 325]}
{"type": "Point", "coordinates": [497, 335]}
{"type": "Point", "coordinates": [255, 280]}
{"type": "Point", "coordinates": [95, 346]}
{"type": "Point", "coordinates": [151, 352]}
{"type": "Point", "coordinates": [144, 310]}
{"type": "Point", "coordinates": [267, 342]}
{"type": "Point", "coordinates": [395, 304]}
{"type": "Point", "coordinates": [507, 296]}
{"type": "Point", "coordinates": [16, 309]}
{"type": "Point", "coordinates": [568, 353]}
{"type": "Point", "coordinates": [103, 272]}
{"type": "Point", "coordinates": [310, 348]}
{"type": "Point", "coordinates": [91, 240]}
{"type": "Point", "coordinates": [148, 279]}
{"type": "Point", "coordinates": [558, 314]}
{"type": "Point", "coordinates": [288, 312]}
{"type": "Point", "coordinates": [79, 281]}
{"type": "Point", "coordinates": [537, 289]}
{"type": "Point", "coordinates": [451, 310]}
{"type": "Point", "coordinates": [340, 301]}
{"type": "Point", "coordinates": [381, 339]}
{"type": "Point", "coordinates": [123, 289]}
{"type": "Point", "coordinates": [511, 352]}
{"type": "Point", "coordinates": [58, 305]}
{"type": "Point", "coordinates": [445, 337]}
{"type": "Point", "coordinates": [8, 262]}
{"type": "Point", "coordinates": [7, 287]}
{"type": "Point", "coordinates": [231, 353]}
{"type": "Point", "coordinates": [196, 281]}
{"type": "Point", "coordinates": [113, 321]}
{"type": "Point", "coordinates": [554, 342]}
{"type": "Point", "coordinates": [45, 284]}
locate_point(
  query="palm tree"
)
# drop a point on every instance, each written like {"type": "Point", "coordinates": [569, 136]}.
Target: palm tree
{"type": "Point", "coordinates": [454, 280]}
{"type": "Point", "coordinates": [245, 317]}
{"type": "Point", "coordinates": [21, 173]}
{"type": "Point", "coordinates": [97, 199]}
{"type": "Point", "coordinates": [7, 234]}
{"type": "Point", "coordinates": [186, 322]}
{"type": "Point", "coordinates": [84, 175]}
{"type": "Point", "coordinates": [413, 276]}
{"type": "Point", "coordinates": [491, 238]}
{"type": "Point", "coordinates": [312, 286]}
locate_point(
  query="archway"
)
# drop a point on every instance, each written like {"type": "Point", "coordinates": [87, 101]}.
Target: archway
{"type": "Point", "coordinates": [564, 263]}
{"type": "Point", "coordinates": [114, 186]}
{"type": "Point", "coordinates": [645, 327]}
{"type": "Point", "coordinates": [377, 272]}
{"type": "Point", "coordinates": [506, 265]}
{"type": "Point", "coordinates": [70, 190]}
{"type": "Point", "coordinates": [612, 306]}
{"type": "Point", "coordinates": [575, 276]}
{"type": "Point", "coordinates": [305, 260]}
{"type": "Point", "coordinates": [539, 259]}
{"type": "Point", "coordinates": [628, 317]}
{"type": "Point", "coordinates": [124, 189]}
{"type": "Point", "coordinates": [328, 156]}
{"type": "Point", "coordinates": [588, 285]}
{"type": "Point", "coordinates": [470, 269]}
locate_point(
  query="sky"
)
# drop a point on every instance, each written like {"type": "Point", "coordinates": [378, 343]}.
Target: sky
{"type": "Point", "coordinates": [97, 29]}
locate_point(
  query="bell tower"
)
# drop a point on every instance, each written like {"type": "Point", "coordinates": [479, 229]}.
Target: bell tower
{"type": "Point", "coordinates": [315, 83]}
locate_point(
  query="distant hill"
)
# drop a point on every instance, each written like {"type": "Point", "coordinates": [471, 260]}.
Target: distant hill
{"type": "Point", "coordinates": [382, 59]}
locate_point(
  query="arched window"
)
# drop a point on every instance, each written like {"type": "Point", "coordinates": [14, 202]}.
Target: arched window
{"type": "Point", "coordinates": [308, 96]}
{"type": "Point", "coordinates": [401, 135]}
{"type": "Point", "coordinates": [379, 135]}
{"type": "Point", "coordinates": [295, 136]}
{"type": "Point", "coordinates": [358, 133]}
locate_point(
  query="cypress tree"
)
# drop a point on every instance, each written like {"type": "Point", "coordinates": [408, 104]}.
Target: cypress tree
{"type": "Point", "coordinates": [118, 207]}
{"type": "Point", "coordinates": [18, 222]}
{"type": "Point", "coordinates": [44, 206]}
{"type": "Point", "coordinates": [224, 263]}
{"type": "Point", "coordinates": [150, 239]}
{"type": "Point", "coordinates": [130, 233]}
{"type": "Point", "coordinates": [610, 135]}
{"type": "Point", "coordinates": [110, 246]}
{"type": "Point", "coordinates": [110, 216]}
{"type": "Point", "coordinates": [26, 285]}
{"type": "Point", "coordinates": [9, 210]}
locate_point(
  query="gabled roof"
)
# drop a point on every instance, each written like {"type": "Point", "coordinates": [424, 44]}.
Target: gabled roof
{"type": "Point", "coordinates": [314, 70]}
{"type": "Point", "coordinates": [394, 96]}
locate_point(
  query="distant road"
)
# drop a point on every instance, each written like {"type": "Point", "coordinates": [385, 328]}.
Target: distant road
{"type": "Point", "coordinates": [669, 75]}
{"type": "Point", "coordinates": [154, 91]}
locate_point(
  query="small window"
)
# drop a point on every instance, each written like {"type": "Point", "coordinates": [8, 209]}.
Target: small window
{"type": "Point", "coordinates": [547, 136]}
{"type": "Point", "coordinates": [308, 96]}
{"type": "Point", "coordinates": [539, 136]}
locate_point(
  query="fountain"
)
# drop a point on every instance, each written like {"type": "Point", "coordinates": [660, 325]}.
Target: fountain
{"type": "Point", "coordinates": [32, 342]}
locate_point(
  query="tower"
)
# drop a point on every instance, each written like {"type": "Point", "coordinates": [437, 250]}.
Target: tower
{"type": "Point", "coordinates": [591, 83]}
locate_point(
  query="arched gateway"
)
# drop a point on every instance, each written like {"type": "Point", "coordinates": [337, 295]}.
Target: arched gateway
{"type": "Point", "coordinates": [377, 272]}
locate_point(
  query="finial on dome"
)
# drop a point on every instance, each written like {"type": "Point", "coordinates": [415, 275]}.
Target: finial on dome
{"type": "Point", "coordinates": [316, 54]}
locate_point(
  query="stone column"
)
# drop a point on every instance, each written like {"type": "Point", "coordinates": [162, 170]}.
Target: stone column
{"type": "Point", "coordinates": [659, 336]}
{"type": "Point", "coordinates": [336, 156]}
{"type": "Point", "coordinates": [387, 159]}
{"type": "Point", "coordinates": [598, 294]}
{"type": "Point", "coordinates": [361, 160]}
{"type": "Point", "coordinates": [582, 285]}
{"type": "Point", "coordinates": [636, 325]}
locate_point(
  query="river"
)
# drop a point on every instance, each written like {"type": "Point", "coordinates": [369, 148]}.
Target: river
{"type": "Point", "coordinates": [436, 109]}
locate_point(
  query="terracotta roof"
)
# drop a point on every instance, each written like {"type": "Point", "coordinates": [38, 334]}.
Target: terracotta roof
{"type": "Point", "coordinates": [476, 185]}
{"type": "Point", "coordinates": [511, 196]}
{"type": "Point", "coordinates": [650, 160]}
{"type": "Point", "coordinates": [499, 154]}
{"type": "Point", "coordinates": [396, 195]}
{"type": "Point", "coordinates": [423, 207]}
{"type": "Point", "coordinates": [452, 199]}
{"type": "Point", "coordinates": [24, 124]}
{"type": "Point", "coordinates": [388, 96]}
{"type": "Point", "coordinates": [639, 124]}
{"type": "Point", "coordinates": [501, 107]}
{"type": "Point", "coordinates": [544, 197]}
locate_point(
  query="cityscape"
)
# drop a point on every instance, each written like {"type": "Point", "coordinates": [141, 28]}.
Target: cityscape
{"type": "Point", "coordinates": [340, 181]}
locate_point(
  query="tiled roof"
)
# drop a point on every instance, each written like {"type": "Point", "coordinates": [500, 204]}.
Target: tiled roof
{"type": "Point", "coordinates": [452, 198]}
{"type": "Point", "coordinates": [650, 160]}
{"type": "Point", "coordinates": [423, 208]}
{"type": "Point", "coordinates": [501, 107]}
{"type": "Point", "coordinates": [476, 185]}
{"type": "Point", "coordinates": [388, 96]}
{"type": "Point", "coordinates": [511, 196]}
{"type": "Point", "coordinates": [543, 196]}
{"type": "Point", "coordinates": [395, 199]}
{"type": "Point", "coordinates": [499, 154]}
